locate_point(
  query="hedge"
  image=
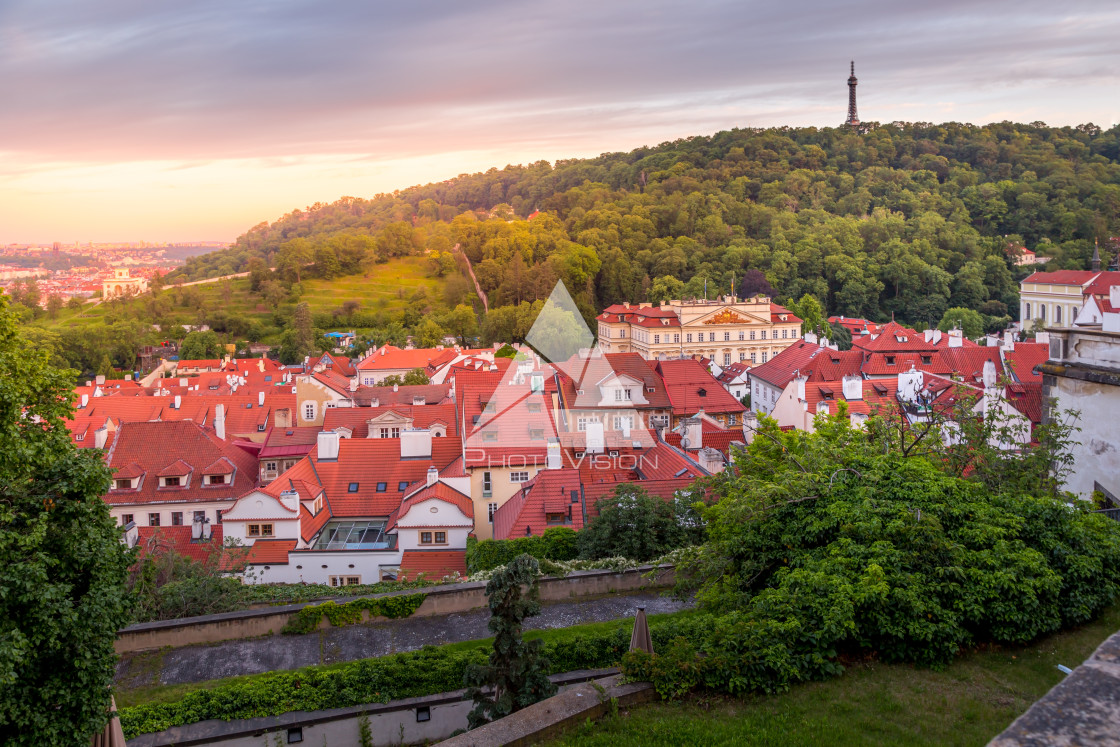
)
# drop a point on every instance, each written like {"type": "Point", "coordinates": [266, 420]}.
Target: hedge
{"type": "Point", "coordinates": [429, 671]}
{"type": "Point", "coordinates": [557, 543]}
{"type": "Point", "coordinates": [308, 618]}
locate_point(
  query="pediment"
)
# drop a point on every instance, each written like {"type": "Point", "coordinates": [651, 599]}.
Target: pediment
{"type": "Point", "coordinates": [731, 317]}
{"type": "Point", "coordinates": [391, 418]}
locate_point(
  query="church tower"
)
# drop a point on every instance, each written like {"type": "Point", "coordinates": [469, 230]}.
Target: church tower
{"type": "Point", "coordinates": [853, 118]}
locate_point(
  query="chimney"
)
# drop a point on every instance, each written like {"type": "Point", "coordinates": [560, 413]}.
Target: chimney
{"type": "Point", "coordinates": [989, 374]}
{"type": "Point", "coordinates": [853, 388]}
{"type": "Point", "coordinates": [928, 335]}
{"type": "Point", "coordinates": [85, 401]}
{"type": "Point", "coordinates": [936, 336]}
{"type": "Point", "coordinates": [416, 443]}
{"type": "Point", "coordinates": [553, 458]}
{"type": "Point", "coordinates": [800, 384]}
{"type": "Point", "coordinates": [594, 435]}
{"type": "Point", "coordinates": [822, 408]}
{"type": "Point", "coordinates": [1043, 338]}
{"type": "Point", "coordinates": [178, 402]}
{"type": "Point", "coordinates": [283, 418]}
{"type": "Point", "coordinates": [260, 399]}
{"type": "Point", "coordinates": [909, 384]}
{"type": "Point", "coordinates": [260, 364]}
{"type": "Point", "coordinates": [394, 387]}
{"type": "Point", "coordinates": [290, 500]}
{"type": "Point", "coordinates": [354, 384]}
{"type": "Point", "coordinates": [328, 445]}
{"type": "Point", "coordinates": [101, 380]}
{"type": "Point", "coordinates": [128, 377]}
{"type": "Point", "coordinates": [433, 475]}
{"type": "Point", "coordinates": [220, 421]}
{"type": "Point", "coordinates": [183, 382]}
{"type": "Point", "coordinates": [100, 436]}
{"type": "Point", "coordinates": [955, 341]}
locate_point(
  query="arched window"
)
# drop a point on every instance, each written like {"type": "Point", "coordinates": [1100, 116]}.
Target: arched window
{"type": "Point", "coordinates": [1042, 311]}
{"type": "Point", "coordinates": [1057, 315]}
{"type": "Point", "coordinates": [1027, 313]}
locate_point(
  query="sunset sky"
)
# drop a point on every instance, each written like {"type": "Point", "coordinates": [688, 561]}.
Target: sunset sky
{"type": "Point", "coordinates": [171, 121]}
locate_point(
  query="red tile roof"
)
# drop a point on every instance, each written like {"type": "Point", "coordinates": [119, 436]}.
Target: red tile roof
{"type": "Point", "coordinates": [159, 540]}
{"type": "Point", "coordinates": [1101, 284]}
{"type": "Point", "coordinates": [1062, 277]}
{"type": "Point", "coordinates": [176, 447]}
{"type": "Point", "coordinates": [269, 552]}
{"type": "Point", "coordinates": [433, 564]}
{"type": "Point", "coordinates": [525, 512]}
{"type": "Point", "coordinates": [1021, 361]}
{"type": "Point", "coordinates": [422, 416]}
{"type": "Point", "coordinates": [692, 388]}
{"type": "Point", "coordinates": [390, 357]}
{"type": "Point", "coordinates": [433, 394]}
{"type": "Point", "coordinates": [440, 491]}
{"type": "Point", "coordinates": [788, 364]}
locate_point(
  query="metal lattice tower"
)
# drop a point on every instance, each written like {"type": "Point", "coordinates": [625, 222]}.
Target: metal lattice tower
{"type": "Point", "coordinates": [853, 117]}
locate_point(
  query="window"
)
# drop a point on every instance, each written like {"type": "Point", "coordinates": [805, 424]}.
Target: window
{"type": "Point", "coordinates": [153, 520]}
{"type": "Point", "coordinates": [731, 419]}
{"type": "Point", "coordinates": [676, 338]}
{"type": "Point", "coordinates": [345, 580]}
{"type": "Point", "coordinates": [200, 516]}
{"type": "Point", "coordinates": [764, 357]}
{"type": "Point", "coordinates": [402, 486]}
{"type": "Point", "coordinates": [126, 519]}
{"type": "Point", "coordinates": [122, 484]}
{"type": "Point", "coordinates": [171, 482]}
{"type": "Point", "coordinates": [490, 509]}
{"type": "Point", "coordinates": [727, 359]}
{"type": "Point", "coordinates": [519, 476]}
{"type": "Point", "coordinates": [763, 333]}
{"type": "Point", "coordinates": [490, 436]}
{"type": "Point", "coordinates": [617, 395]}
{"type": "Point", "coordinates": [309, 411]}
{"type": "Point", "coordinates": [352, 488]}
{"type": "Point", "coordinates": [890, 360]}
{"type": "Point", "coordinates": [927, 359]}
{"type": "Point", "coordinates": [217, 479]}
{"type": "Point", "coordinates": [623, 423]}
{"type": "Point", "coordinates": [536, 434]}
{"type": "Point", "coordinates": [581, 424]}
{"type": "Point", "coordinates": [270, 466]}
{"type": "Point", "coordinates": [742, 357]}
{"type": "Point", "coordinates": [176, 518]}
{"type": "Point", "coordinates": [423, 713]}
{"type": "Point", "coordinates": [260, 530]}
{"type": "Point", "coordinates": [486, 485]}
{"type": "Point", "coordinates": [711, 337]}
{"type": "Point", "coordinates": [433, 538]}
{"type": "Point", "coordinates": [534, 406]}
{"type": "Point", "coordinates": [384, 432]}
{"type": "Point", "coordinates": [726, 336]}
{"type": "Point", "coordinates": [394, 432]}
{"type": "Point", "coordinates": [363, 534]}
{"type": "Point", "coordinates": [260, 427]}
{"type": "Point", "coordinates": [1057, 315]}
{"type": "Point", "coordinates": [753, 358]}
{"type": "Point", "coordinates": [688, 337]}
{"type": "Point", "coordinates": [626, 395]}
{"type": "Point", "coordinates": [752, 334]}
{"type": "Point", "coordinates": [389, 572]}
{"type": "Point", "coordinates": [1042, 311]}
{"type": "Point", "coordinates": [784, 332]}
{"type": "Point", "coordinates": [554, 518]}
{"type": "Point", "coordinates": [382, 486]}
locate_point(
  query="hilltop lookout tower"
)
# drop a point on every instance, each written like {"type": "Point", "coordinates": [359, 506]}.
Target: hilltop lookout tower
{"type": "Point", "coordinates": [853, 117]}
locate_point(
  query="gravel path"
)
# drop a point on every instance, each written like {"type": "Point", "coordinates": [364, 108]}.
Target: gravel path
{"type": "Point", "coordinates": [231, 658]}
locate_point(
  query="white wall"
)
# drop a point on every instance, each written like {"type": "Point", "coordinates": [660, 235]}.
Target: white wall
{"type": "Point", "coordinates": [306, 566]}
{"type": "Point", "coordinates": [140, 511]}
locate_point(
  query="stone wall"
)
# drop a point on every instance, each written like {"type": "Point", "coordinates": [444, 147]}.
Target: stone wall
{"type": "Point", "coordinates": [440, 600]}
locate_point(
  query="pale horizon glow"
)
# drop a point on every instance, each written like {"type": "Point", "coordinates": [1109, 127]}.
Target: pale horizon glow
{"type": "Point", "coordinates": [172, 122]}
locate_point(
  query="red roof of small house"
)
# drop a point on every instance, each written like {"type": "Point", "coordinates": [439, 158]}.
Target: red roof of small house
{"type": "Point", "coordinates": [422, 416]}
{"type": "Point", "coordinates": [550, 491]}
{"type": "Point", "coordinates": [433, 394]}
{"type": "Point", "coordinates": [692, 388]}
{"type": "Point", "coordinates": [784, 367]}
{"type": "Point", "coordinates": [222, 466]}
{"type": "Point", "coordinates": [439, 491]}
{"type": "Point", "coordinates": [269, 552]}
{"type": "Point", "coordinates": [158, 540]}
{"type": "Point", "coordinates": [855, 325]}
{"type": "Point", "coordinates": [1062, 277]}
{"type": "Point", "coordinates": [338, 364]}
{"type": "Point", "coordinates": [392, 358]}
{"type": "Point", "coordinates": [1020, 362]}
{"type": "Point", "coordinates": [719, 439]}
{"type": "Point", "coordinates": [282, 442]}
{"type": "Point", "coordinates": [1100, 285]}
{"type": "Point", "coordinates": [176, 448]}
{"type": "Point", "coordinates": [1027, 399]}
{"type": "Point", "coordinates": [433, 564]}
{"type": "Point", "coordinates": [129, 471]}
{"type": "Point", "coordinates": [782, 314]}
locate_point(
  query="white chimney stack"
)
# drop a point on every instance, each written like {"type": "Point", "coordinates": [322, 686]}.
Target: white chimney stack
{"type": "Point", "coordinates": [433, 475]}
{"type": "Point", "coordinates": [328, 445]}
{"type": "Point", "coordinates": [553, 457]}
{"type": "Point", "coordinates": [100, 437]}
{"type": "Point", "coordinates": [692, 434]}
{"type": "Point", "coordinates": [853, 388]}
{"type": "Point", "coordinates": [416, 443]}
{"type": "Point", "coordinates": [178, 401]}
{"type": "Point", "coordinates": [594, 435]}
{"type": "Point", "coordinates": [219, 421]}
{"type": "Point", "coordinates": [183, 382]}
{"type": "Point", "coordinates": [85, 400]}
{"type": "Point", "coordinates": [260, 399]}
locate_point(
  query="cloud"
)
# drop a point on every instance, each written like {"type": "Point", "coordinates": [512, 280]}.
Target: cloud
{"type": "Point", "coordinates": [212, 79]}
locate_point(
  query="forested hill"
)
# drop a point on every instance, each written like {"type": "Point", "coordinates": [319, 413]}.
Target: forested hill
{"type": "Point", "coordinates": [901, 218]}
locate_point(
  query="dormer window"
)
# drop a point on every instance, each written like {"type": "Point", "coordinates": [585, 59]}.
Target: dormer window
{"type": "Point", "coordinates": [122, 484]}
{"type": "Point", "coordinates": [534, 406]}
{"type": "Point", "coordinates": [890, 360]}
{"type": "Point", "coordinates": [171, 482]}
{"type": "Point", "coordinates": [402, 486]}
{"type": "Point", "coordinates": [701, 392]}
{"type": "Point", "coordinates": [216, 479]}
{"type": "Point", "coordinates": [927, 359]}
{"type": "Point", "coordinates": [352, 488]}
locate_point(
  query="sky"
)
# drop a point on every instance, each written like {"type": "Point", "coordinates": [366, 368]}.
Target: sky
{"type": "Point", "coordinates": [129, 120]}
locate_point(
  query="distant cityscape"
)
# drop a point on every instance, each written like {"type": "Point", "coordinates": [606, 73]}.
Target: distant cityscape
{"type": "Point", "coordinates": [80, 269]}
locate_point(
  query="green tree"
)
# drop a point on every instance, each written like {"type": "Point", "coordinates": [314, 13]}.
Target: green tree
{"type": "Point", "coordinates": [54, 305]}
{"type": "Point", "coordinates": [428, 333]}
{"type": "Point", "coordinates": [200, 346]}
{"type": "Point", "coordinates": [811, 313]}
{"type": "Point", "coordinates": [633, 524]}
{"type": "Point", "coordinates": [840, 336]}
{"type": "Point", "coordinates": [461, 322]}
{"type": "Point", "coordinates": [258, 273]}
{"type": "Point", "coordinates": [970, 322]}
{"type": "Point", "coordinates": [62, 564]}
{"type": "Point", "coordinates": [516, 675]}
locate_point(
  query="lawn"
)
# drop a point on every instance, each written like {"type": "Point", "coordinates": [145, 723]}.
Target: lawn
{"type": "Point", "coordinates": [968, 703]}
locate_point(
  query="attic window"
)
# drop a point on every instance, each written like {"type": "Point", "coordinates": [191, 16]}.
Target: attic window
{"type": "Point", "coordinates": [402, 486]}
{"type": "Point", "coordinates": [536, 433]}
{"type": "Point", "coordinates": [353, 488]}
{"type": "Point", "coordinates": [289, 433]}
{"type": "Point", "coordinates": [268, 378]}
{"type": "Point", "coordinates": [879, 388]}
{"type": "Point", "coordinates": [650, 389]}
{"type": "Point", "coordinates": [490, 436]}
{"type": "Point", "coordinates": [381, 486]}
{"type": "Point", "coordinates": [701, 392]}
{"type": "Point", "coordinates": [927, 359]}
{"type": "Point", "coordinates": [534, 406]}
{"type": "Point", "coordinates": [890, 360]}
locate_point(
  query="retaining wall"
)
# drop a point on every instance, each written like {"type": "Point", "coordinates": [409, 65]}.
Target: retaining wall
{"type": "Point", "coordinates": [440, 600]}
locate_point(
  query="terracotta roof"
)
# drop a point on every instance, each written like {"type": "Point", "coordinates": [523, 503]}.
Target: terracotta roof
{"type": "Point", "coordinates": [1027, 399]}
{"type": "Point", "coordinates": [282, 442]}
{"type": "Point", "coordinates": [550, 491]}
{"type": "Point", "coordinates": [422, 416]}
{"type": "Point", "coordinates": [440, 491]}
{"type": "Point", "coordinates": [1101, 284]}
{"type": "Point", "coordinates": [663, 489]}
{"type": "Point", "coordinates": [390, 357]}
{"type": "Point", "coordinates": [269, 552]}
{"type": "Point", "coordinates": [433, 394]}
{"type": "Point", "coordinates": [433, 564]}
{"type": "Point", "coordinates": [175, 448]}
{"type": "Point", "coordinates": [692, 388]}
{"type": "Point", "coordinates": [158, 540]}
{"type": "Point", "coordinates": [786, 365]}
{"type": "Point", "coordinates": [1062, 277]}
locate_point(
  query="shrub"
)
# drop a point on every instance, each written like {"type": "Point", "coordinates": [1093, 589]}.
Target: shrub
{"type": "Point", "coordinates": [349, 613]}
{"type": "Point", "coordinates": [557, 543]}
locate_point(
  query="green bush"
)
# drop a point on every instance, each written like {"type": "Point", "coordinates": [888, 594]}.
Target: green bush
{"type": "Point", "coordinates": [428, 671]}
{"type": "Point", "coordinates": [557, 543]}
{"type": "Point", "coordinates": [349, 613]}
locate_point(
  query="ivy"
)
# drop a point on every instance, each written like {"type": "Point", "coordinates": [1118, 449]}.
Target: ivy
{"type": "Point", "coordinates": [350, 613]}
